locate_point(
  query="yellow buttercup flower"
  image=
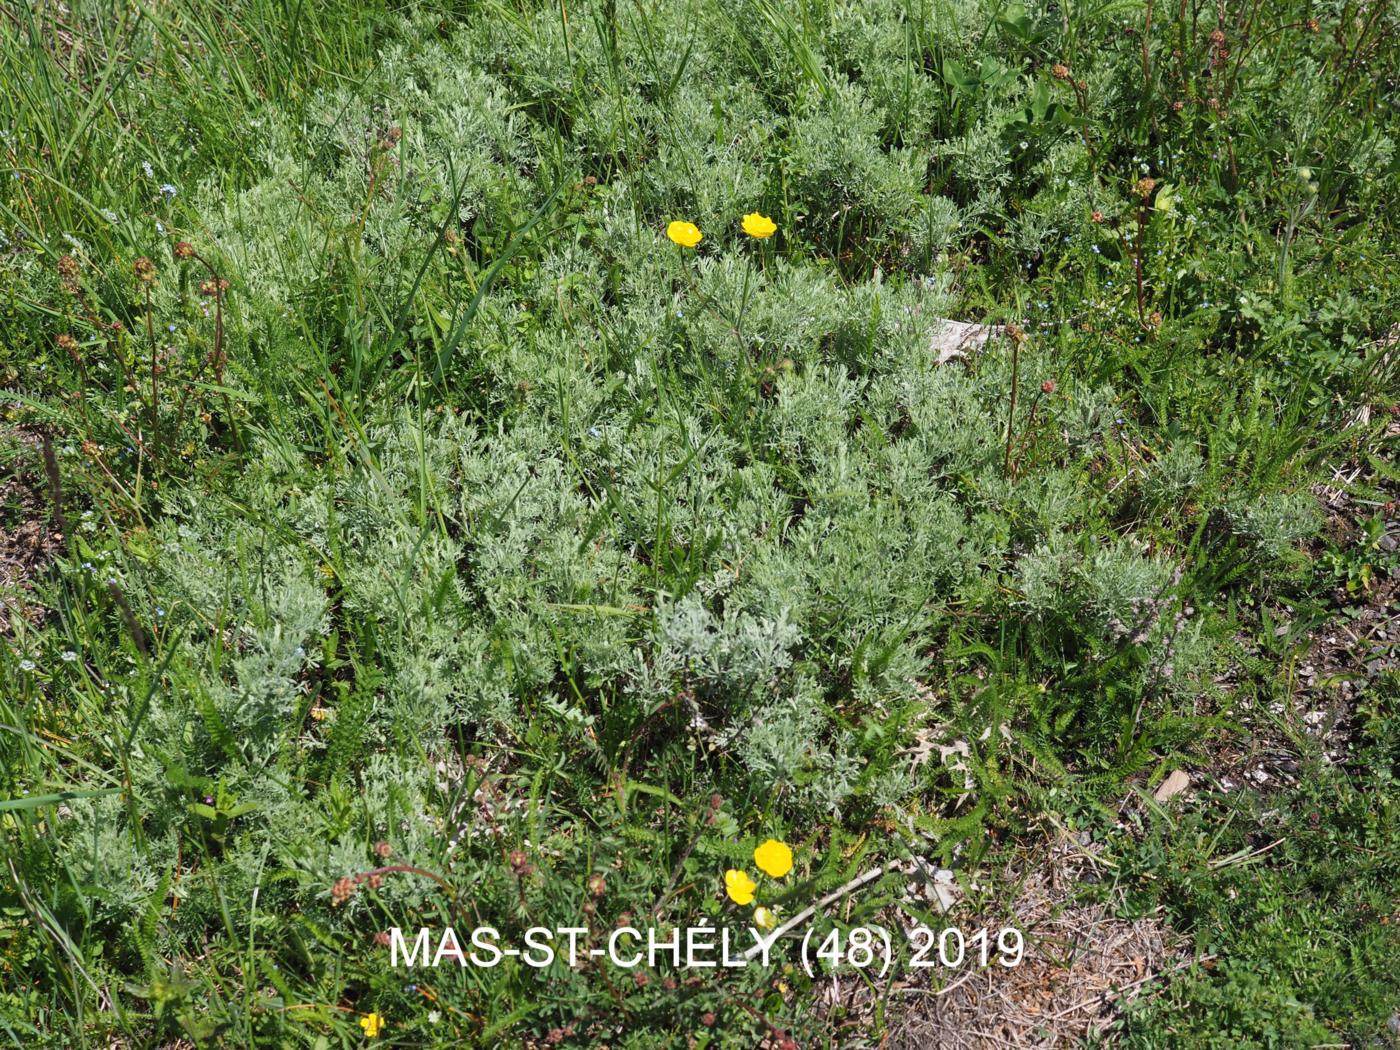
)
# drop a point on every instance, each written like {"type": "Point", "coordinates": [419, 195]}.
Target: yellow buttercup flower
{"type": "Point", "coordinates": [760, 226]}
{"type": "Point", "coordinates": [686, 234]}
{"type": "Point", "coordinates": [773, 858]}
{"type": "Point", "coordinates": [739, 886]}
{"type": "Point", "coordinates": [373, 1024]}
{"type": "Point", "coordinates": [763, 918]}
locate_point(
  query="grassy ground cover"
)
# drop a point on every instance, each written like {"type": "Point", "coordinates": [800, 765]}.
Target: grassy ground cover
{"type": "Point", "coordinates": [401, 528]}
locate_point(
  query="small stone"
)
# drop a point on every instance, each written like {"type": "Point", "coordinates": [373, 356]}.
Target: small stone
{"type": "Point", "coordinates": [1175, 784]}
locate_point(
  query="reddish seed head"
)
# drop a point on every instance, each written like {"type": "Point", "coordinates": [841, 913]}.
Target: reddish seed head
{"type": "Point", "coordinates": [382, 938]}
{"type": "Point", "coordinates": [1059, 71]}
{"type": "Point", "coordinates": [1047, 387]}
{"type": "Point", "coordinates": [1097, 216]}
{"type": "Point", "coordinates": [184, 250]}
{"type": "Point", "coordinates": [382, 850]}
{"type": "Point", "coordinates": [144, 269]}
{"type": "Point", "coordinates": [708, 1019]}
{"type": "Point", "coordinates": [597, 885]}
{"type": "Point", "coordinates": [342, 890]}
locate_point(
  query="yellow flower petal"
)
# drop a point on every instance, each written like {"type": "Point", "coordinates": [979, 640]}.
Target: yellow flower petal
{"type": "Point", "coordinates": [686, 234]}
{"type": "Point", "coordinates": [773, 858]}
{"type": "Point", "coordinates": [372, 1024]}
{"type": "Point", "coordinates": [763, 918]}
{"type": "Point", "coordinates": [739, 886]}
{"type": "Point", "coordinates": [758, 225]}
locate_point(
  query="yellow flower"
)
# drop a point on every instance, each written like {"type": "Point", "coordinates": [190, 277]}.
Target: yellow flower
{"type": "Point", "coordinates": [739, 886]}
{"type": "Point", "coordinates": [773, 858]}
{"type": "Point", "coordinates": [686, 234]}
{"type": "Point", "coordinates": [760, 226]}
{"type": "Point", "coordinates": [372, 1024]}
{"type": "Point", "coordinates": [763, 918]}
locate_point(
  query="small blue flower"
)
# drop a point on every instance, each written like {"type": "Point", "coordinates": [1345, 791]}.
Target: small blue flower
{"type": "Point", "coordinates": [168, 191]}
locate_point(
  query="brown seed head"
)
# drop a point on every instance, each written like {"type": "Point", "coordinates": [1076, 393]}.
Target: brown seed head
{"type": "Point", "coordinates": [68, 274]}
{"type": "Point", "coordinates": [1097, 216]}
{"type": "Point", "coordinates": [144, 269]}
{"type": "Point", "coordinates": [1144, 187]}
{"type": "Point", "coordinates": [383, 850]}
{"type": "Point", "coordinates": [342, 890]}
{"type": "Point", "coordinates": [1016, 334]}
{"type": "Point", "coordinates": [597, 885]}
{"type": "Point", "coordinates": [1047, 387]}
{"type": "Point", "coordinates": [184, 250]}
{"type": "Point", "coordinates": [1059, 71]}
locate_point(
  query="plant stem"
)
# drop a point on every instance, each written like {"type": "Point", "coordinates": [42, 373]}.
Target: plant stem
{"type": "Point", "coordinates": [1016, 338]}
{"type": "Point", "coordinates": [155, 390]}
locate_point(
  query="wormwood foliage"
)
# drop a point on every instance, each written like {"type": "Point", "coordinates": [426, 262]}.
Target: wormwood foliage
{"type": "Point", "coordinates": [444, 542]}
